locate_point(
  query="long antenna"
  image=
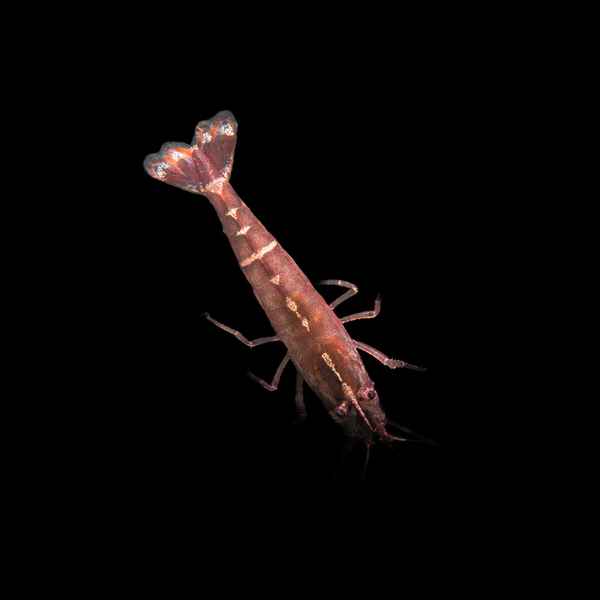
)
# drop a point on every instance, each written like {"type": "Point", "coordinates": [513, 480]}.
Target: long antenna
{"type": "Point", "coordinates": [362, 475]}
{"type": "Point", "coordinates": [418, 436]}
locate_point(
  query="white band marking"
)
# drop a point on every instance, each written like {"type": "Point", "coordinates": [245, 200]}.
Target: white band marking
{"type": "Point", "coordinates": [294, 308]}
{"type": "Point", "coordinates": [258, 255]}
{"type": "Point", "coordinates": [216, 185]}
{"type": "Point", "coordinates": [330, 364]}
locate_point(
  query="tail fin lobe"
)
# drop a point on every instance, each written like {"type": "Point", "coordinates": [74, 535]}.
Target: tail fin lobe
{"type": "Point", "coordinates": [194, 167]}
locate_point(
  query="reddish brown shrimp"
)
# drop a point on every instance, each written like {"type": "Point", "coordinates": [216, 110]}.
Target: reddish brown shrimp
{"type": "Point", "coordinates": [317, 343]}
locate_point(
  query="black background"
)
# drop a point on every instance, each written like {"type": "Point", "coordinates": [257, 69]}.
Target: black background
{"type": "Point", "coordinates": [389, 165]}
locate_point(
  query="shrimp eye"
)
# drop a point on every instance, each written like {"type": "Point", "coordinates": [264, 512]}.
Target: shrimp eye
{"type": "Point", "coordinates": [342, 409]}
{"type": "Point", "coordinates": [365, 394]}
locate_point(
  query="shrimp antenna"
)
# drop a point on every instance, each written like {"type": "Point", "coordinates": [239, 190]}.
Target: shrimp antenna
{"type": "Point", "coordinates": [348, 446]}
{"type": "Point", "coordinates": [417, 436]}
{"type": "Point", "coordinates": [364, 470]}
